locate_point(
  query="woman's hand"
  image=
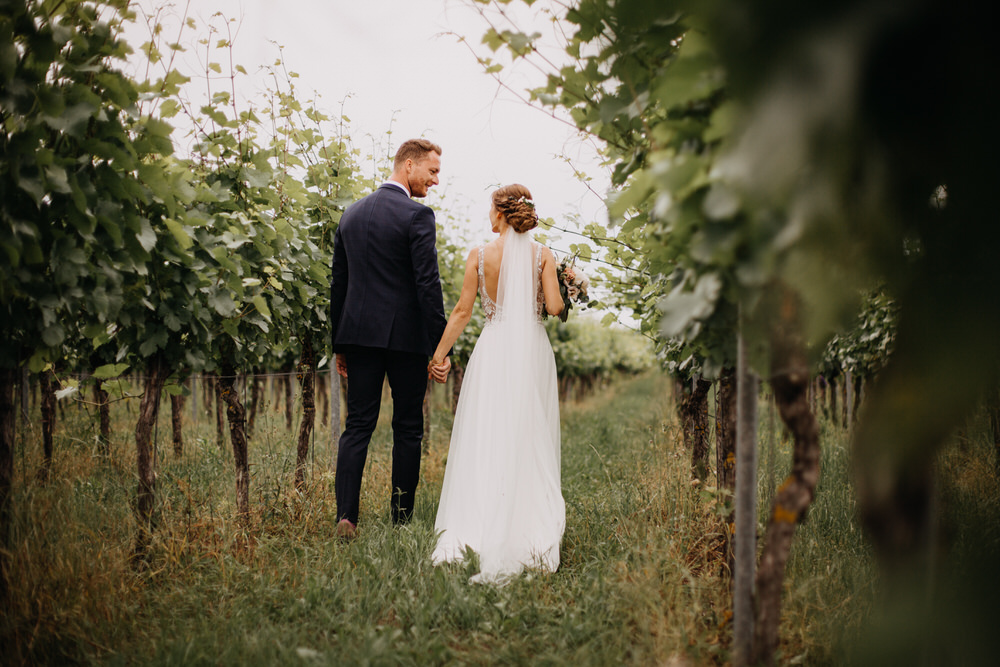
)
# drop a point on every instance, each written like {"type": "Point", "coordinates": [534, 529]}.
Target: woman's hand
{"type": "Point", "coordinates": [438, 369]}
{"type": "Point", "coordinates": [440, 363]}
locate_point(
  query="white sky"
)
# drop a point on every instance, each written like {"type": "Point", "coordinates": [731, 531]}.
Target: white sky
{"type": "Point", "coordinates": [399, 67]}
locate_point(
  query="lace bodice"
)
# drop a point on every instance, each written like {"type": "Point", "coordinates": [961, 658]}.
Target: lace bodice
{"type": "Point", "coordinates": [490, 306]}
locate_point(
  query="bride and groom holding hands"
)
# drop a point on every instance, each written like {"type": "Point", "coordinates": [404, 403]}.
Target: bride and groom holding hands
{"type": "Point", "coordinates": [501, 495]}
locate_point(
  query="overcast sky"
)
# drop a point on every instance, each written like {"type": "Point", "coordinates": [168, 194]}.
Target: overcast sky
{"type": "Point", "coordinates": [392, 62]}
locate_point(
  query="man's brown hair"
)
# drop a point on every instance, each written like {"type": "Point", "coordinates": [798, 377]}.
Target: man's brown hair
{"type": "Point", "coordinates": [414, 149]}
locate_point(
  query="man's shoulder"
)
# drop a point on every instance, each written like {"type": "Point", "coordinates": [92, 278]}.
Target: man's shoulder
{"type": "Point", "coordinates": [393, 194]}
{"type": "Point", "coordinates": [386, 201]}
{"type": "Point", "coordinates": [360, 206]}
{"type": "Point", "coordinates": [388, 195]}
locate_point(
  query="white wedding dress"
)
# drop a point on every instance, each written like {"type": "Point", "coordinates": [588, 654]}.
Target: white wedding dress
{"type": "Point", "coordinates": [502, 495]}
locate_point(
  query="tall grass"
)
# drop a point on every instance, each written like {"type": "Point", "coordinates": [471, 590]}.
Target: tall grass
{"type": "Point", "coordinates": [640, 580]}
{"type": "Point", "coordinates": [831, 578]}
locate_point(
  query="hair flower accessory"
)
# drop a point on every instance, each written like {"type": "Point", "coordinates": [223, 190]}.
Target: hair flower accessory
{"type": "Point", "coordinates": [525, 200]}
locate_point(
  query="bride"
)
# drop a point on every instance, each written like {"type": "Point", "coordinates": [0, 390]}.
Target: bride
{"type": "Point", "coordinates": [501, 495]}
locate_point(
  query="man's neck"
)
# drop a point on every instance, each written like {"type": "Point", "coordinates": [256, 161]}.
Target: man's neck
{"type": "Point", "coordinates": [397, 181]}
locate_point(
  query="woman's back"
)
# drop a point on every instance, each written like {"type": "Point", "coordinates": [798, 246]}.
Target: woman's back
{"type": "Point", "coordinates": [490, 262]}
{"type": "Point", "coordinates": [492, 258]}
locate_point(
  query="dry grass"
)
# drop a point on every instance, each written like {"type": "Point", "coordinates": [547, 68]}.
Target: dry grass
{"type": "Point", "coordinates": [640, 581]}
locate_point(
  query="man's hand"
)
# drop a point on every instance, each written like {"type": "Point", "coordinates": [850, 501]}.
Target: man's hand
{"type": "Point", "coordinates": [341, 364]}
{"type": "Point", "coordinates": [439, 370]}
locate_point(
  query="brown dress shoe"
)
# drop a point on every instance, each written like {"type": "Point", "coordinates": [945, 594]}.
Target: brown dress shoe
{"type": "Point", "coordinates": [346, 530]}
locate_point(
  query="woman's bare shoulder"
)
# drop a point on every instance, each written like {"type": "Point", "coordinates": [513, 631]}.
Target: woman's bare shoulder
{"type": "Point", "coordinates": [493, 249]}
{"type": "Point", "coordinates": [546, 253]}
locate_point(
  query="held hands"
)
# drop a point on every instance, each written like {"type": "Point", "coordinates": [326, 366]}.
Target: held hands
{"type": "Point", "coordinates": [438, 369]}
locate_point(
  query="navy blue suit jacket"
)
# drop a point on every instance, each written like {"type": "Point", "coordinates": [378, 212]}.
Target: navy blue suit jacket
{"type": "Point", "coordinates": [386, 290]}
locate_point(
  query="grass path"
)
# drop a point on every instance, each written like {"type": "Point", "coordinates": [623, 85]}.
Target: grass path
{"type": "Point", "coordinates": [639, 581]}
{"type": "Point", "coordinates": [300, 595]}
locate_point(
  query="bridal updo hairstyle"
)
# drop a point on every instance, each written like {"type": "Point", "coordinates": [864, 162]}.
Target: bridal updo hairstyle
{"type": "Point", "coordinates": [515, 202]}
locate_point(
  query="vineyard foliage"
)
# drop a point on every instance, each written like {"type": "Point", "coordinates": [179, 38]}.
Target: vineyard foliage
{"type": "Point", "coordinates": [825, 168]}
{"type": "Point", "coordinates": [696, 241]}
{"type": "Point", "coordinates": [119, 247]}
{"type": "Point", "coordinates": [584, 348]}
{"type": "Point", "coordinates": [125, 255]}
{"type": "Point", "coordinates": [75, 230]}
{"type": "Point", "coordinates": [816, 178]}
{"type": "Point", "coordinates": [742, 165]}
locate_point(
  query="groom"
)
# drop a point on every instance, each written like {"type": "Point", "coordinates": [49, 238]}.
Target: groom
{"type": "Point", "coordinates": [387, 314]}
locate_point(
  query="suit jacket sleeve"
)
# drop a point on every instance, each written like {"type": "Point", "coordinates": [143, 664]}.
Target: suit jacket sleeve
{"type": "Point", "coordinates": [338, 285]}
{"type": "Point", "coordinates": [423, 253]}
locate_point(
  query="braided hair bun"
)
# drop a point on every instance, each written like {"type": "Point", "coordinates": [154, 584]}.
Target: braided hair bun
{"type": "Point", "coordinates": [515, 202]}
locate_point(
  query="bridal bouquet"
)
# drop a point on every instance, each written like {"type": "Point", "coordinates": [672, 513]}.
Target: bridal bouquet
{"type": "Point", "coordinates": [573, 285]}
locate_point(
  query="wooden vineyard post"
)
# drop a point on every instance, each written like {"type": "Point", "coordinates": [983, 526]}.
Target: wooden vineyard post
{"type": "Point", "coordinates": [746, 508]}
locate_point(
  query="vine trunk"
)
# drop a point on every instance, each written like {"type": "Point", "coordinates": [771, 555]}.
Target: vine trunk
{"type": "Point", "coordinates": [307, 381]}
{"type": "Point", "coordinates": [790, 382]}
{"type": "Point", "coordinates": [426, 442]}
{"type": "Point", "coordinates": [286, 380]}
{"type": "Point", "coordinates": [104, 417]}
{"type": "Point", "coordinates": [457, 375]}
{"type": "Point", "coordinates": [7, 419]}
{"type": "Point", "coordinates": [220, 428]}
{"type": "Point", "coordinates": [177, 422]}
{"type": "Point", "coordinates": [693, 409]}
{"type": "Point", "coordinates": [145, 456]}
{"type": "Point", "coordinates": [256, 391]}
{"type": "Point", "coordinates": [725, 446]}
{"type": "Point", "coordinates": [236, 414]}
{"type": "Point", "coordinates": [48, 422]}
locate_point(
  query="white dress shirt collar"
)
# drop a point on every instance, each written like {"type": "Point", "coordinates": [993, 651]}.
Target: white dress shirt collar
{"type": "Point", "coordinates": [398, 185]}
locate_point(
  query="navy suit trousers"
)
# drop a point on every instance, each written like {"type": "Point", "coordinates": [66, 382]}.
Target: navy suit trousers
{"type": "Point", "coordinates": [367, 369]}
